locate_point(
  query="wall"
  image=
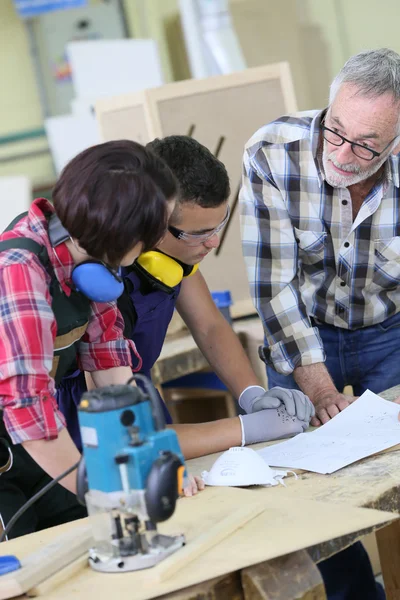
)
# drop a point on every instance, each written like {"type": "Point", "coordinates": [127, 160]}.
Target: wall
{"type": "Point", "coordinates": [316, 36]}
{"type": "Point", "coordinates": [19, 99]}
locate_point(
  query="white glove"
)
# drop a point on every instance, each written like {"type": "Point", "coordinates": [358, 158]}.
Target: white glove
{"type": "Point", "coordinates": [270, 424]}
{"type": "Point", "coordinates": [255, 398]}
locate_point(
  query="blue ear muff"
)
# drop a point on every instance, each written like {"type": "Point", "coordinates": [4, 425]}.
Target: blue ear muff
{"type": "Point", "coordinates": [97, 281]}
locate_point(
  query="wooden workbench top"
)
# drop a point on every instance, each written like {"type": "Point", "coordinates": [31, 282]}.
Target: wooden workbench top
{"type": "Point", "coordinates": [314, 508]}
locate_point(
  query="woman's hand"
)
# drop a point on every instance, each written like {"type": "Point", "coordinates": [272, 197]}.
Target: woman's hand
{"type": "Point", "coordinates": [196, 484]}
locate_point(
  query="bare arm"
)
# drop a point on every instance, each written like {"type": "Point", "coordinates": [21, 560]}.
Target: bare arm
{"type": "Point", "coordinates": [56, 456]}
{"type": "Point", "coordinates": [114, 376]}
{"type": "Point", "coordinates": [198, 439]}
{"type": "Point", "coordinates": [315, 381]}
{"type": "Point", "coordinates": [214, 336]}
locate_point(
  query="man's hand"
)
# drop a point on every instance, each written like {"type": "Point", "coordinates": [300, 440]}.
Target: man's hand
{"type": "Point", "coordinates": [196, 484]}
{"type": "Point", "coordinates": [295, 402]}
{"type": "Point", "coordinates": [255, 398]}
{"type": "Point", "coordinates": [328, 406]}
{"type": "Point", "coordinates": [270, 424]}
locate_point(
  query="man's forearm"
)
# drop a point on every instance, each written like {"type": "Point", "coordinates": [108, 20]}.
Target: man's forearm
{"type": "Point", "coordinates": [314, 380]}
{"type": "Point", "coordinates": [198, 439]}
{"type": "Point", "coordinates": [55, 457]}
{"type": "Point", "coordinates": [226, 355]}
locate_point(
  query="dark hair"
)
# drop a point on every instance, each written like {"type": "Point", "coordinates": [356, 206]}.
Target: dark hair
{"type": "Point", "coordinates": [202, 178]}
{"type": "Point", "coordinates": [112, 196]}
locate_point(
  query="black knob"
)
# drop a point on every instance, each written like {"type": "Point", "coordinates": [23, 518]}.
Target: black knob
{"type": "Point", "coordinates": [121, 459]}
{"type": "Point", "coordinates": [128, 418]}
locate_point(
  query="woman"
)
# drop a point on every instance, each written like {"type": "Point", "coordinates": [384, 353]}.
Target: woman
{"type": "Point", "coordinates": [58, 286]}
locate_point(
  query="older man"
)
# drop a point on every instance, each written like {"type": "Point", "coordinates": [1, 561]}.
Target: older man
{"type": "Point", "coordinates": [321, 237]}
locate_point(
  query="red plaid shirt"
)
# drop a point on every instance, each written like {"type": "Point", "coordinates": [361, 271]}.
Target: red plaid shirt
{"type": "Point", "coordinates": [28, 330]}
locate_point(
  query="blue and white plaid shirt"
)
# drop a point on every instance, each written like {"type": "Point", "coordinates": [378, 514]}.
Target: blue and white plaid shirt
{"type": "Point", "coordinates": [305, 256]}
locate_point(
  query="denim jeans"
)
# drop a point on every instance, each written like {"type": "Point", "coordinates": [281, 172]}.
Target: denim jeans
{"type": "Point", "coordinates": [364, 358]}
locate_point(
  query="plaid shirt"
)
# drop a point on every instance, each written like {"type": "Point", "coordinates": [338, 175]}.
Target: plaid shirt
{"type": "Point", "coordinates": [305, 256]}
{"type": "Point", "coordinates": [28, 329]}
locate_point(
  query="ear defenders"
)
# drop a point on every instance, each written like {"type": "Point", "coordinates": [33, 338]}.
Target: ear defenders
{"type": "Point", "coordinates": [93, 278]}
{"type": "Point", "coordinates": [165, 269]}
{"type": "Point", "coordinates": [97, 281]}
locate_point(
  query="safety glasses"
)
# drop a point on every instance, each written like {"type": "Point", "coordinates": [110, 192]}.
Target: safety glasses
{"type": "Point", "coordinates": [195, 239]}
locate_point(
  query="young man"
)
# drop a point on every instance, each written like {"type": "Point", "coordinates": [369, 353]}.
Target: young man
{"type": "Point", "coordinates": [57, 286]}
{"type": "Point", "coordinates": [154, 290]}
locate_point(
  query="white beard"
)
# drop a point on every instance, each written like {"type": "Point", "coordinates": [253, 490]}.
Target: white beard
{"type": "Point", "coordinates": [356, 173]}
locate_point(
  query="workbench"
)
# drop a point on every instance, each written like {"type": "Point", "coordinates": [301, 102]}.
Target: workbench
{"type": "Point", "coordinates": [373, 483]}
{"type": "Point", "coordinates": [181, 356]}
{"type": "Point", "coordinates": [370, 483]}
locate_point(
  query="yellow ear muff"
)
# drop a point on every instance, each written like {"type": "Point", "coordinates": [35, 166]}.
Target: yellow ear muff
{"type": "Point", "coordinates": [162, 267]}
{"type": "Point", "coordinates": [192, 272]}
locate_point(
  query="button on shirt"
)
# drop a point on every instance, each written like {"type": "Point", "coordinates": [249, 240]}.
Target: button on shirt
{"type": "Point", "coordinates": [305, 256]}
{"type": "Point", "coordinates": [28, 330]}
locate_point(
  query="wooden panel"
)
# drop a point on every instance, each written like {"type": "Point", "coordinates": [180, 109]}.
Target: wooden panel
{"type": "Point", "coordinates": [389, 552]}
{"type": "Point", "coordinates": [227, 587]}
{"type": "Point", "coordinates": [223, 112]}
{"type": "Point", "coordinates": [279, 530]}
{"type": "Point", "coordinates": [127, 123]}
{"type": "Point", "coordinates": [291, 577]}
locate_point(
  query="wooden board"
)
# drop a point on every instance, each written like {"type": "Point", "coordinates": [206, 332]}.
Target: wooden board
{"type": "Point", "coordinates": [180, 354]}
{"type": "Point", "coordinates": [254, 96]}
{"type": "Point", "coordinates": [282, 528]}
{"type": "Point", "coordinates": [46, 561]}
{"type": "Point", "coordinates": [291, 577]}
{"type": "Point", "coordinates": [211, 537]}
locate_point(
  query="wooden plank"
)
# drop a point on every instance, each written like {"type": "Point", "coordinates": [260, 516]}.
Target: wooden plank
{"type": "Point", "coordinates": [210, 538]}
{"type": "Point", "coordinates": [49, 559]}
{"type": "Point", "coordinates": [227, 587]}
{"type": "Point", "coordinates": [180, 354]}
{"type": "Point", "coordinates": [388, 540]}
{"type": "Point", "coordinates": [291, 577]}
{"type": "Point", "coordinates": [277, 531]}
{"type": "Point", "coordinates": [62, 576]}
{"type": "Point", "coordinates": [391, 394]}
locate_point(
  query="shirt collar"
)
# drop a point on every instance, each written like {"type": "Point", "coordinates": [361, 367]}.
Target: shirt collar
{"type": "Point", "coordinates": [392, 169]}
{"type": "Point", "coordinates": [60, 257]}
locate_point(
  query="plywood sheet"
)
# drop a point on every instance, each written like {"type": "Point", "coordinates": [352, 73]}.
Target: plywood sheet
{"type": "Point", "coordinates": [127, 124]}
{"type": "Point", "coordinates": [282, 528]}
{"type": "Point", "coordinates": [220, 112]}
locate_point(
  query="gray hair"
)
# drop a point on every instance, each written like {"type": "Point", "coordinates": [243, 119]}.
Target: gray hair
{"type": "Point", "coordinates": [373, 72]}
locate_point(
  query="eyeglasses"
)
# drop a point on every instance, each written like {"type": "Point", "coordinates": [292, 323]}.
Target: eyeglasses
{"type": "Point", "coordinates": [359, 150]}
{"type": "Point", "coordinates": [195, 239]}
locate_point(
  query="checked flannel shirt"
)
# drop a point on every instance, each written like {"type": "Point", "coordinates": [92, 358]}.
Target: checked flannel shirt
{"type": "Point", "coordinates": [305, 256]}
{"type": "Point", "coordinates": [28, 330]}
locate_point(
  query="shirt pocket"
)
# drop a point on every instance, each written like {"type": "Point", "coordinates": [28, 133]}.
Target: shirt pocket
{"type": "Point", "coordinates": [387, 263]}
{"type": "Point", "coordinates": [311, 245]}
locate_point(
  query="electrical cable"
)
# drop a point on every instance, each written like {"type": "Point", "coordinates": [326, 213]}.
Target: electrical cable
{"type": "Point", "coordinates": [32, 500]}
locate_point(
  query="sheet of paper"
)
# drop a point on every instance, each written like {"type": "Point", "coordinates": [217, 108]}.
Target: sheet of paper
{"type": "Point", "coordinates": [367, 426]}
